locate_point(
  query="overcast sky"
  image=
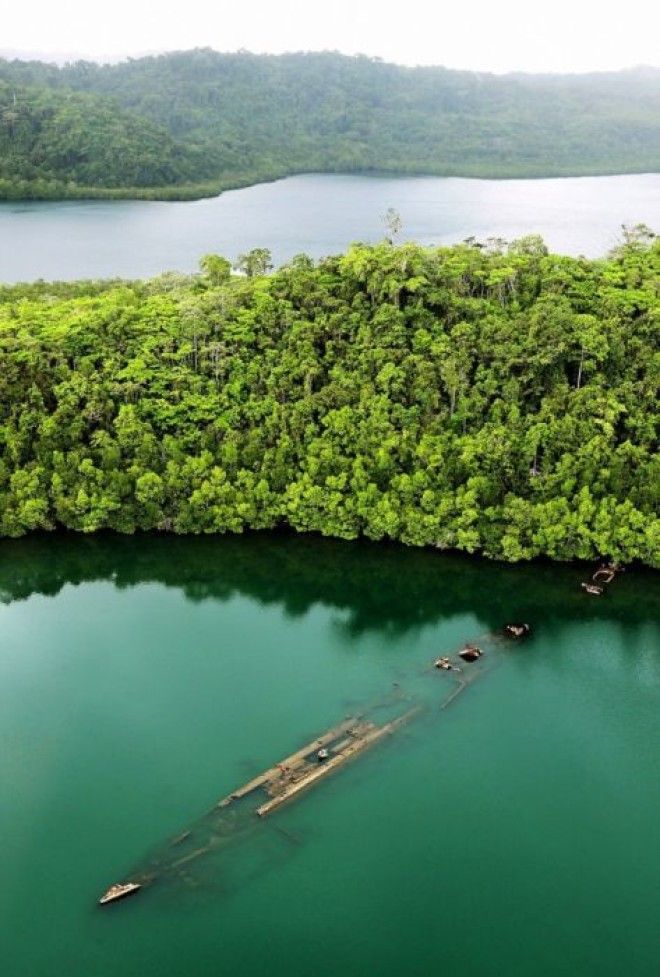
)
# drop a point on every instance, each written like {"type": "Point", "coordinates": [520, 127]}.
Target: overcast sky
{"type": "Point", "coordinates": [486, 35]}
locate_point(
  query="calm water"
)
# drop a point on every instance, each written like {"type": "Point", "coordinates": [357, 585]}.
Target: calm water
{"type": "Point", "coordinates": [317, 214]}
{"type": "Point", "coordinates": [516, 833]}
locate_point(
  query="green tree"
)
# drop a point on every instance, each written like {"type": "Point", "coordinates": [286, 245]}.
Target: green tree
{"type": "Point", "coordinates": [255, 262]}
{"type": "Point", "coordinates": [216, 269]}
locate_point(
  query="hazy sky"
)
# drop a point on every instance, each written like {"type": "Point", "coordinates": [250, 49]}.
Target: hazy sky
{"type": "Point", "coordinates": [488, 35]}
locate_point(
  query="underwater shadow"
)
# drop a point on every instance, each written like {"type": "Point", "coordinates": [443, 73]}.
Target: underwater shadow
{"type": "Point", "coordinates": [377, 586]}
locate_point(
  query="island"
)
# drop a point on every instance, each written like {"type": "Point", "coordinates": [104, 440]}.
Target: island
{"type": "Point", "coordinates": [484, 397]}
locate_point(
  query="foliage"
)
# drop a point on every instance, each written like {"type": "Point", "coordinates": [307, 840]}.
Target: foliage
{"type": "Point", "coordinates": [494, 399]}
{"type": "Point", "coordinates": [53, 142]}
{"type": "Point", "coordinates": [191, 124]}
{"type": "Point", "coordinates": [255, 262]}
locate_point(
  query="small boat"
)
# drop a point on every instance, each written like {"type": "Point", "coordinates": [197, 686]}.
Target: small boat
{"type": "Point", "coordinates": [517, 630]}
{"type": "Point", "coordinates": [470, 653]}
{"type": "Point", "coordinates": [119, 891]}
{"type": "Point", "coordinates": [592, 588]}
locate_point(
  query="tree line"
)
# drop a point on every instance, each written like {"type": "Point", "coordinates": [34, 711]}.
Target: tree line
{"type": "Point", "coordinates": [190, 124]}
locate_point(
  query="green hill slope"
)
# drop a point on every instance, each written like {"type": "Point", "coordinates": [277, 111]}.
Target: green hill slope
{"type": "Point", "coordinates": [226, 119]}
{"type": "Point", "coordinates": [54, 141]}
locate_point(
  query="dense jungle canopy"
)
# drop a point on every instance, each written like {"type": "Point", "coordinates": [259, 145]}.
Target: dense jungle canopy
{"type": "Point", "coordinates": [494, 399]}
{"type": "Point", "coordinates": [193, 123]}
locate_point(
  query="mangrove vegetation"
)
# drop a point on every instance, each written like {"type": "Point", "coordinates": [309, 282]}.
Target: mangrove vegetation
{"type": "Point", "coordinates": [488, 398]}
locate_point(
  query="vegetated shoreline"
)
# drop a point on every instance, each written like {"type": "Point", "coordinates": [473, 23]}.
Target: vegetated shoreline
{"type": "Point", "coordinates": [189, 124]}
{"type": "Point", "coordinates": [209, 190]}
{"type": "Point", "coordinates": [496, 400]}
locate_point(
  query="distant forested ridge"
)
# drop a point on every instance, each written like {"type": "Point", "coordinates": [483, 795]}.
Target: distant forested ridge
{"type": "Point", "coordinates": [190, 124]}
{"type": "Point", "coordinates": [493, 399]}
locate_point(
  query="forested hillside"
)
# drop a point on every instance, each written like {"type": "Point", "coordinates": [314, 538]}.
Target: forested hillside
{"type": "Point", "coordinates": [215, 120]}
{"type": "Point", "coordinates": [53, 142]}
{"type": "Point", "coordinates": [493, 399]}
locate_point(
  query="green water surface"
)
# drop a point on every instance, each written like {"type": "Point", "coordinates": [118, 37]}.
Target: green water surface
{"type": "Point", "coordinates": [515, 833]}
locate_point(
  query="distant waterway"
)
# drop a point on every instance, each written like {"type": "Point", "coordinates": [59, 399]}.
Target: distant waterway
{"type": "Point", "coordinates": [319, 214]}
{"type": "Point", "coordinates": [142, 679]}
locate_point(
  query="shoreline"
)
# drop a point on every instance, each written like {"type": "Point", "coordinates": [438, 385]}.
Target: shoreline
{"type": "Point", "coordinates": [288, 535]}
{"type": "Point", "coordinates": [209, 190]}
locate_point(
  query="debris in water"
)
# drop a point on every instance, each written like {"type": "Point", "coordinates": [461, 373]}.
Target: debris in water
{"type": "Point", "coordinates": [517, 630]}
{"type": "Point", "coordinates": [602, 577]}
{"type": "Point", "coordinates": [470, 653]}
{"type": "Point", "coordinates": [445, 664]}
{"type": "Point", "coordinates": [119, 891]}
